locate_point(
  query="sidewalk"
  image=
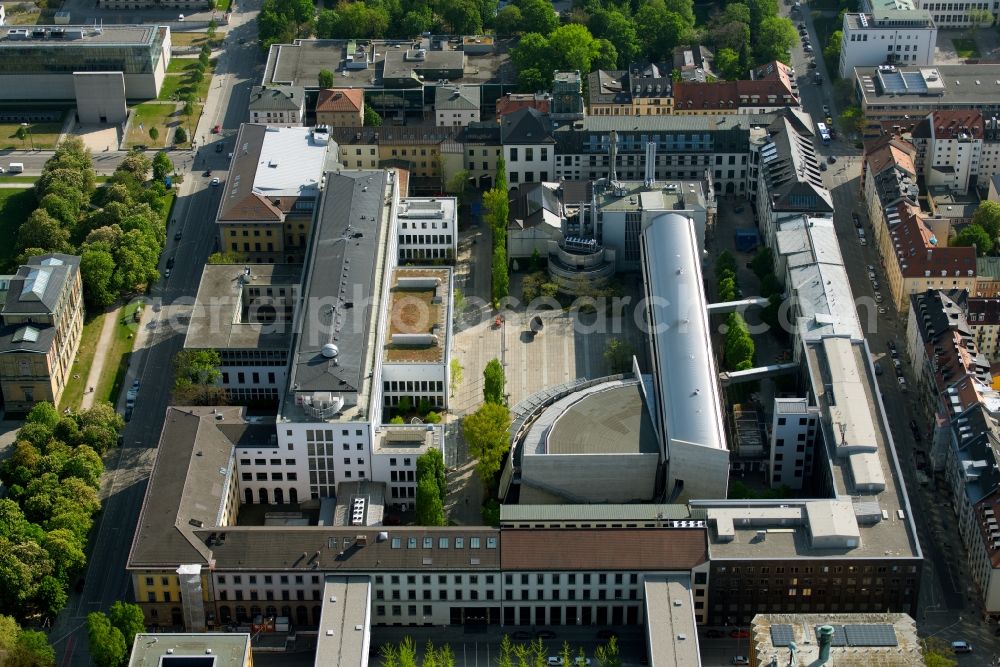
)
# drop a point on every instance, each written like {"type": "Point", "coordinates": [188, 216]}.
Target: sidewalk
{"type": "Point", "coordinates": [100, 354]}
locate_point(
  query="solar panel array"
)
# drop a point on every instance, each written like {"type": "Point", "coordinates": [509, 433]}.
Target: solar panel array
{"type": "Point", "coordinates": [782, 635]}
{"type": "Point", "coordinates": [874, 634]}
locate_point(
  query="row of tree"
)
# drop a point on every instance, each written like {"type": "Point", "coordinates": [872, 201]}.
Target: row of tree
{"type": "Point", "coordinates": [485, 430]}
{"type": "Point", "coordinates": [111, 635]}
{"type": "Point", "coordinates": [432, 488]}
{"type": "Point", "coordinates": [497, 207]}
{"type": "Point", "coordinates": [24, 648]}
{"type": "Point", "coordinates": [738, 346]}
{"type": "Point", "coordinates": [512, 654]}
{"type": "Point", "coordinates": [118, 230]}
{"type": "Point", "coordinates": [53, 478]}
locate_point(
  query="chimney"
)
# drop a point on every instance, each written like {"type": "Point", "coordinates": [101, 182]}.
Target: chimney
{"type": "Point", "coordinates": [825, 641]}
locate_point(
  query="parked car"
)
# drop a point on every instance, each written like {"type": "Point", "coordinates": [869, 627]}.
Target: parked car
{"type": "Point", "coordinates": [740, 660]}
{"type": "Point", "coordinates": [878, 368]}
{"type": "Point", "coordinates": [177, 236]}
{"type": "Point", "coordinates": [219, 147]}
{"type": "Point", "coordinates": [874, 284]}
{"type": "Point", "coordinates": [180, 17]}
{"type": "Point", "coordinates": [881, 310]}
{"type": "Point", "coordinates": [166, 274]}
{"type": "Point", "coordinates": [216, 129]}
{"type": "Point", "coordinates": [892, 347]}
{"type": "Point", "coordinates": [555, 661]}
{"type": "Point", "coordinates": [961, 647]}
{"type": "Point", "coordinates": [878, 295]}
{"type": "Point", "coordinates": [822, 166]}
{"type": "Point", "coordinates": [215, 181]}
{"type": "Point", "coordinates": [902, 382]}
{"type": "Point", "coordinates": [170, 263]}
{"type": "Point", "coordinates": [811, 65]}
{"type": "Point", "coordinates": [740, 634]}
{"type": "Point", "coordinates": [802, 26]}
{"type": "Point", "coordinates": [807, 47]}
{"type": "Point", "coordinates": [864, 241]}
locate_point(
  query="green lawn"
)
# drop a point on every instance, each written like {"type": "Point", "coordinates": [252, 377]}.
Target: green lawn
{"type": "Point", "coordinates": [29, 180]}
{"type": "Point", "coordinates": [182, 65]}
{"type": "Point", "coordinates": [177, 85]}
{"type": "Point", "coordinates": [77, 383]}
{"type": "Point", "coordinates": [965, 47]}
{"type": "Point", "coordinates": [164, 117]}
{"type": "Point", "coordinates": [116, 363]}
{"type": "Point", "coordinates": [43, 135]}
{"type": "Point", "coordinates": [194, 39]}
{"type": "Point", "coordinates": [15, 206]}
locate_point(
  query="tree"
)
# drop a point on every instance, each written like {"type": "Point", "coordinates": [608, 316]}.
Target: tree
{"type": "Point", "coordinates": [729, 64]}
{"type": "Point", "coordinates": [128, 619]}
{"type": "Point", "coordinates": [608, 654]}
{"type": "Point", "coordinates": [979, 18]}
{"type": "Point", "coordinates": [325, 78]}
{"type": "Point", "coordinates": [137, 164]}
{"type": "Point", "coordinates": [196, 367]}
{"type": "Point", "coordinates": [43, 231]}
{"type": "Point", "coordinates": [32, 650]}
{"type": "Point", "coordinates": [458, 185]}
{"type": "Point", "coordinates": [974, 235]}
{"type": "Point", "coordinates": [154, 133]}
{"type": "Point", "coordinates": [660, 29]}
{"type": "Point", "coordinates": [618, 29]}
{"type": "Point", "coordinates": [572, 47]}
{"type": "Point", "coordinates": [833, 45]}
{"type": "Point", "coordinates": [762, 263]}
{"type": "Point", "coordinates": [774, 39]}
{"type": "Point", "coordinates": [180, 136]}
{"type": "Point", "coordinates": [22, 133]}
{"type": "Point", "coordinates": [107, 644]}
{"type": "Point", "coordinates": [987, 216]}
{"type": "Point", "coordinates": [738, 345]}
{"type": "Point", "coordinates": [461, 16]}
{"type": "Point", "coordinates": [212, 27]}
{"type": "Point", "coordinates": [431, 464]}
{"type": "Point", "coordinates": [456, 375]}
{"type": "Point", "coordinates": [538, 16]}
{"type": "Point", "coordinates": [372, 117]}
{"type": "Point", "coordinates": [430, 511]}
{"type": "Point", "coordinates": [618, 354]}
{"type": "Point", "coordinates": [43, 413]}
{"type": "Point", "coordinates": [501, 278]}
{"type": "Point", "coordinates": [162, 166]}
{"type": "Point", "coordinates": [227, 257]}
{"type": "Point", "coordinates": [100, 284]}
{"type": "Point", "coordinates": [494, 382]}
{"type": "Point", "coordinates": [508, 21]}
{"type": "Point", "coordinates": [485, 431]}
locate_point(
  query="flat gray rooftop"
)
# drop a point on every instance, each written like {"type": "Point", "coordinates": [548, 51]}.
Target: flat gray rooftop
{"type": "Point", "coordinates": [609, 418]}
{"type": "Point", "coordinates": [215, 320]}
{"type": "Point", "coordinates": [188, 649]}
{"type": "Point", "coordinates": [344, 624]}
{"type": "Point", "coordinates": [932, 85]}
{"type": "Point", "coordinates": [341, 297]}
{"type": "Point", "coordinates": [73, 35]}
{"type": "Point", "coordinates": [672, 633]}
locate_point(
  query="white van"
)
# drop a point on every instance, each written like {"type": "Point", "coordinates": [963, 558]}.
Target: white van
{"type": "Point", "coordinates": [16, 167]}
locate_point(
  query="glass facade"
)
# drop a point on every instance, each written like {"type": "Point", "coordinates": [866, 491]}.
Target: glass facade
{"type": "Point", "coordinates": [105, 52]}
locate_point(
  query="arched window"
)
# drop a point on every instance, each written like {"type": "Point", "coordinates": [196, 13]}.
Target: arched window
{"type": "Point", "coordinates": [225, 614]}
{"type": "Point", "coordinates": [241, 614]}
{"type": "Point", "coordinates": [279, 497]}
{"type": "Point", "coordinates": [293, 496]}
{"type": "Point", "coordinates": [262, 493]}
{"type": "Point", "coordinates": [248, 494]}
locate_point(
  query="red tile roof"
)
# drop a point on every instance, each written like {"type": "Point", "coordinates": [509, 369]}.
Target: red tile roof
{"type": "Point", "coordinates": [254, 207]}
{"type": "Point", "coordinates": [917, 255]}
{"type": "Point", "coordinates": [512, 102]}
{"type": "Point", "coordinates": [341, 99]}
{"type": "Point", "coordinates": [610, 549]}
{"type": "Point", "coordinates": [691, 95]}
{"type": "Point", "coordinates": [948, 124]}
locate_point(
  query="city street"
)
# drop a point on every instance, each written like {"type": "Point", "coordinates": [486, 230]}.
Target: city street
{"type": "Point", "coordinates": [128, 468]}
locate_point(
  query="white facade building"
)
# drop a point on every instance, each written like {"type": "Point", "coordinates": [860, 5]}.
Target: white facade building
{"type": "Point", "coordinates": [528, 147]}
{"type": "Point", "coordinates": [794, 427]}
{"type": "Point", "coordinates": [456, 106]}
{"type": "Point", "coordinates": [887, 36]}
{"type": "Point", "coordinates": [428, 228]}
{"type": "Point", "coordinates": [954, 15]}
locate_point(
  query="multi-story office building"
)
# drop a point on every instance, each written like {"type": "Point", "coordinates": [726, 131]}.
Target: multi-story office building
{"type": "Point", "coordinates": [245, 313]}
{"type": "Point", "coordinates": [98, 67]}
{"type": "Point", "coordinates": [789, 180]}
{"type": "Point", "coordinates": [641, 90]}
{"type": "Point", "coordinates": [793, 435]}
{"type": "Point", "coordinates": [269, 198]}
{"type": "Point", "coordinates": [956, 15]}
{"type": "Point", "coordinates": [772, 91]}
{"type": "Point", "coordinates": [909, 242]}
{"type": "Point", "coordinates": [950, 149]}
{"type": "Point", "coordinates": [42, 319]}
{"type": "Point", "coordinates": [528, 147]}
{"type": "Point", "coordinates": [688, 148]}
{"type": "Point", "coordinates": [428, 229]}
{"type": "Point", "coordinates": [340, 107]}
{"type": "Point", "coordinates": [278, 105]}
{"type": "Point", "coordinates": [887, 37]}
{"type": "Point", "coordinates": [480, 150]}
{"type": "Point", "coordinates": [456, 106]}
{"type": "Point", "coordinates": [418, 150]}
{"type": "Point", "coordinates": [984, 321]}
{"type": "Point", "coordinates": [898, 93]}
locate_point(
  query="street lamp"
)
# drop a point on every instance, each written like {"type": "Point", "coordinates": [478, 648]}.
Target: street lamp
{"type": "Point", "coordinates": [30, 137]}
